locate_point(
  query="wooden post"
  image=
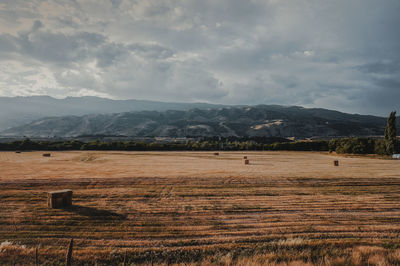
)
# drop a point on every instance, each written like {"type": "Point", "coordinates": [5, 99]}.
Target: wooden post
{"type": "Point", "coordinates": [36, 257]}
{"type": "Point", "coordinates": [336, 163]}
{"type": "Point", "coordinates": [126, 254]}
{"type": "Point", "coordinates": [68, 257]}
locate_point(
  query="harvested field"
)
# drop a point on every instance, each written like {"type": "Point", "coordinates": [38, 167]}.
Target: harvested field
{"type": "Point", "coordinates": [195, 207]}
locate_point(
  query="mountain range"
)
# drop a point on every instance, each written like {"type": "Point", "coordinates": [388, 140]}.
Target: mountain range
{"type": "Point", "coordinates": [155, 119]}
{"type": "Point", "coordinates": [16, 111]}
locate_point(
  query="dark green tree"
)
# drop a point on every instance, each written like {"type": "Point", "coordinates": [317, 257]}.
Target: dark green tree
{"type": "Point", "coordinates": [390, 134]}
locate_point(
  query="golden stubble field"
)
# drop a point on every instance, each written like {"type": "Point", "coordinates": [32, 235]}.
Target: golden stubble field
{"type": "Point", "coordinates": [198, 208]}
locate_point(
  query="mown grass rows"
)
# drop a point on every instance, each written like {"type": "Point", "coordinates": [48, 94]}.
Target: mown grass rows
{"type": "Point", "coordinates": [193, 214]}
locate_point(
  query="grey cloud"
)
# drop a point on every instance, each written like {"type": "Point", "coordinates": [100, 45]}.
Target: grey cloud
{"type": "Point", "coordinates": [36, 25]}
{"type": "Point", "coordinates": [59, 48]}
{"type": "Point", "coordinates": [271, 90]}
{"type": "Point", "coordinates": [341, 55]}
{"type": "Point", "coordinates": [392, 84]}
{"type": "Point", "coordinates": [109, 54]}
{"type": "Point", "coordinates": [194, 84]}
{"type": "Point", "coordinates": [116, 3]}
{"type": "Point", "coordinates": [7, 44]}
{"type": "Point", "coordinates": [67, 21]}
{"type": "Point", "coordinates": [381, 67]}
{"type": "Point", "coordinates": [13, 11]}
{"type": "Point", "coordinates": [151, 50]}
{"type": "Point", "coordinates": [63, 49]}
{"type": "Point", "coordinates": [286, 81]}
{"type": "Point", "coordinates": [51, 47]}
{"type": "Point", "coordinates": [386, 95]}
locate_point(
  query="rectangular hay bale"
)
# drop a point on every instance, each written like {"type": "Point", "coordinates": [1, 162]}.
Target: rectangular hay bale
{"type": "Point", "coordinates": [59, 199]}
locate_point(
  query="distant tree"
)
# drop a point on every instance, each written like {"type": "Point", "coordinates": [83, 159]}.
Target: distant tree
{"type": "Point", "coordinates": [380, 147]}
{"type": "Point", "coordinates": [390, 134]}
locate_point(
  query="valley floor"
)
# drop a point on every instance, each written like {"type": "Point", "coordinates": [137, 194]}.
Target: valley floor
{"type": "Point", "coordinates": [201, 208]}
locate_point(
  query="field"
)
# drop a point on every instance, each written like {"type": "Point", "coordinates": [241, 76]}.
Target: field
{"type": "Point", "coordinates": [284, 208]}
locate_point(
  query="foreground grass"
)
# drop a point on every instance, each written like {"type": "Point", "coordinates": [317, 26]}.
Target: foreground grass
{"type": "Point", "coordinates": [263, 213]}
{"type": "Point", "coordinates": [200, 221]}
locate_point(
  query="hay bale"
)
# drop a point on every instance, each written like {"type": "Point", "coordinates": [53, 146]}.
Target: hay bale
{"type": "Point", "coordinates": [46, 154]}
{"type": "Point", "coordinates": [59, 199]}
{"type": "Point", "coordinates": [246, 161]}
{"type": "Point", "coordinates": [336, 163]}
{"type": "Point", "coordinates": [216, 153]}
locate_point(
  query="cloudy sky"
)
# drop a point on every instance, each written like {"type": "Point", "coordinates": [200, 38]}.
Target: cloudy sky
{"type": "Point", "coordinates": [342, 54]}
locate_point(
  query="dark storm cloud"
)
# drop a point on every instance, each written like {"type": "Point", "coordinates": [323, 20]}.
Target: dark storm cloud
{"type": "Point", "coordinates": [386, 96]}
{"type": "Point", "coordinates": [334, 54]}
{"type": "Point", "coordinates": [381, 67]}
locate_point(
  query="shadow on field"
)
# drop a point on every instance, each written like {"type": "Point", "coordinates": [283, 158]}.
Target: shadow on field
{"type": "Point", "coordinates": [94, 213]}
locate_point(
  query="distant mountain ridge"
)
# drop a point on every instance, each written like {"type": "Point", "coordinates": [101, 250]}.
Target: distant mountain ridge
{"type": "Point", "coordinates": [261, 120]}
{"type": "Point", "coordinates": [16, 111]}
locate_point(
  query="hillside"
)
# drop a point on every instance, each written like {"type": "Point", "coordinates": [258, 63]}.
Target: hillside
{"type": "Point", "coordinates": [262, 120]}
{"type": "Point", "coordinates": [16, 111]}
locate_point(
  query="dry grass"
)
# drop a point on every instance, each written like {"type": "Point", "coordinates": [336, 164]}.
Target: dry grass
{"type": "Point", "coordinates": [285, 208]}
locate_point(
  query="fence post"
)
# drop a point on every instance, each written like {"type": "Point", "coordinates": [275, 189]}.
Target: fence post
{"type": "Point", "coordinates": [68, 257]}
{"type": "Point", "coordinates": [126, 254]}
{"type": "Point", "coordinates": [36, 257]}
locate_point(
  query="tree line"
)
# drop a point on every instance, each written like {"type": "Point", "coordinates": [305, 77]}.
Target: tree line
{"type": "Point", "coordinates": [345, 145]}
{"type": "Point", "coordinates": [190, 145]}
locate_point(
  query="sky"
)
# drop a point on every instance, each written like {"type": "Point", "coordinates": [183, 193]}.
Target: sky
{"type": "Point", "coordinates": [342, 54]}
